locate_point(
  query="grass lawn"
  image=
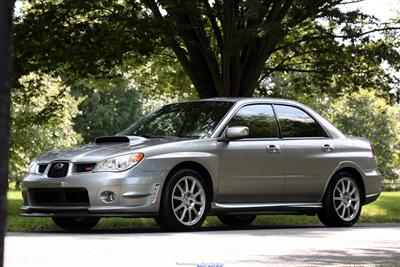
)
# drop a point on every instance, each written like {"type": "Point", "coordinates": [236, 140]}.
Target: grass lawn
{"type": "Point", "coordinates": [385, 210]}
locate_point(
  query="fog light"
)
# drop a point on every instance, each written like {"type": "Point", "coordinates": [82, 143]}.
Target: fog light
{"type": "Point", "coordinates": [108, 196]}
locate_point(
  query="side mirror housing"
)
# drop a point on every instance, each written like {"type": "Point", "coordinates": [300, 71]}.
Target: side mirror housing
{"type": "Point", "coordinates": [237, 132]}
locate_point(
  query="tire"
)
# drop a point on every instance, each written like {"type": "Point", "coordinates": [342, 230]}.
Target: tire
{"type": "Point", "coordinates": [237, 220]}
{"type": "Point", "coordinates": [184, 207]}
{"type": "Point", "coordinates": [76, 223]}
{"type": "Point", "coordinates": [342, 202]}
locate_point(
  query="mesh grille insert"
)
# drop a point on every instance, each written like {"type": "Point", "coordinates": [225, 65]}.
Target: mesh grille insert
{"type": "Point", "coordinates": [42, 168]}
{"type": "Point", "coordinates": [58, 170]}
{"type": "Point", "coordinates": [58, 197]}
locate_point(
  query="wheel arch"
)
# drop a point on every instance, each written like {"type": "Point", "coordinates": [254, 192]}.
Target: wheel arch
{"type": "Point", "coordinates": [356, 175]}
{"type": "Point", "coordinates": [200, 168]}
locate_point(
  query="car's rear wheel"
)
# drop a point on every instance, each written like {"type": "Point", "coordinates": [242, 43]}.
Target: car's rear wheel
{"type": "Point", "coordinates": [185, 201]}
{"type": "Point", "coordinates": [237, 220]}
{"type": "Point", "coordinates": [342, 202]}
{"type": "Point", "coordinates": [76, 223]}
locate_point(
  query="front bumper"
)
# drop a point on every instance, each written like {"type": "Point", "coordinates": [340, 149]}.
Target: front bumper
{"type": "Point", "coordinates": [137, 194]}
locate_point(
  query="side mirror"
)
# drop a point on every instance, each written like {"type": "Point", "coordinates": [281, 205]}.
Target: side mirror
{"type": "Point", "coordinates": [237, 132]}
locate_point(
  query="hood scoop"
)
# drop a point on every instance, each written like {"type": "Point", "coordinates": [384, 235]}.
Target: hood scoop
{"type": "Point", "coordinates": [112, 139]}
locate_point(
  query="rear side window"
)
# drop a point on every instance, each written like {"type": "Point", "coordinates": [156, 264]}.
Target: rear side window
{"type": "Point", "coordinates": [296, 123]}
{"type": "Point", "coordinates": [259, 118]}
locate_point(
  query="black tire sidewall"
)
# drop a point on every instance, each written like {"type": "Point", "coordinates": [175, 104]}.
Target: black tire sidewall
{"type": "Point", "coordinates": [167, 219]}
{"type": "Point", "coordinates": [328, 215]}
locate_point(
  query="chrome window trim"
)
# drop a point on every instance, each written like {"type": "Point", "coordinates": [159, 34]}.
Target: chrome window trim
{"type": "Point", "coordinates": [251, 104]}
{"type": "Point", "coordinates": [305, 111]}
{"type": "Point", "coordinates": [221, 127]}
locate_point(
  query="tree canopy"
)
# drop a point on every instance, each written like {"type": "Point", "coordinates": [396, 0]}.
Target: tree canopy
{"type": "Point", "coordinates": [114, 60]}
{"type": "Point", "coordinates": [226, 48]}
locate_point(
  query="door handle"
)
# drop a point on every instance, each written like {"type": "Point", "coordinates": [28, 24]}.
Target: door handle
{"type": "Point", "coordinates": [273, 149]}
{"type": "Point", "coordinates": [327, 148]}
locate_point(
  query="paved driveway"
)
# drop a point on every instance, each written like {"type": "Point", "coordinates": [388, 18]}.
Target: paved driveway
{"type": "Point", "coordinates": [302, 246]}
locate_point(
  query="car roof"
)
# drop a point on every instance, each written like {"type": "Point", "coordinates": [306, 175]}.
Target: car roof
{"type": "Point", "coordinates": [247, 100]}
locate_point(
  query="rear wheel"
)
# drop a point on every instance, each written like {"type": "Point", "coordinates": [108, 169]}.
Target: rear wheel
{"type": "Point", "coordinates": [76, 223]}
{"type": "Point", "coordinates": [185, 201]}
{"type": "Point", "coordinates": [237, 220]}
{"type": "Point", "coordinates": [342, 202]}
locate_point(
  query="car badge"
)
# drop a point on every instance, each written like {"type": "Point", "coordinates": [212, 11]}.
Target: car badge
{"type": "Point", "coordinates": [58, 166]}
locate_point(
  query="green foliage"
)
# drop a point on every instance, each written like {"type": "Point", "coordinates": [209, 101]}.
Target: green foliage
{"type": "Point", "coordinates": [108, 106]}
{"type": "Point", "coordinates": [79, 38]}
{"type": "Point", "coordinates": [226, 48]}
{"type": "Point", "coordinates": [161, 73]}
{"type": "Point", "coordinates": [161, 80]}
{"type": "Point", "coordinates": [367, 115]}
{"type": "Point", "coordinates": [35, 128]}
{"type": "Point", "coordinates": [336, 59]}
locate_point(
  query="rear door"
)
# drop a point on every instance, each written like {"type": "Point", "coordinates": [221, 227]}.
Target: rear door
{"type": "Point", "coordinates": [311, 155]}
{"type": "Point", "coordinates": [252, 169]}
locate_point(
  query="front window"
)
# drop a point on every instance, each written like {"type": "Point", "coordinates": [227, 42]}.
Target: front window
{"type": "Point", "coordinates": [259, 118]}
{"type": "Point", "coordinates": [183, 120]}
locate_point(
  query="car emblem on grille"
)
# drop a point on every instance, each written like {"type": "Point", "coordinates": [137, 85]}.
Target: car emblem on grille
{"type": "Point", "coordinates": [58, 166]}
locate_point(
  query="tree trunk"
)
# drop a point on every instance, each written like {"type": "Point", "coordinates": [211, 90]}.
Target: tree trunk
{"type": "Point", "coordinates": [6, 9]}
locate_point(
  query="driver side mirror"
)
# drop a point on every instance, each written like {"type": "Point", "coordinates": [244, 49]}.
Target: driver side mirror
{"type": "Point", "coordinates": [237, 132]}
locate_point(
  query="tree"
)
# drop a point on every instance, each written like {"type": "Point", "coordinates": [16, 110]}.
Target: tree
{"type": "Point", "coordinates": [34, 129]}
{"type": "Point", "coordinates": [108, 107]}
{"type": "Point", "coordinates": [314, 74]}
{"type": "Point", "coordinates": [365, 114]}
{"type": "Point", "coordinates": [227, 48]}
{"type": "Point", "coordinates": [6, 10]}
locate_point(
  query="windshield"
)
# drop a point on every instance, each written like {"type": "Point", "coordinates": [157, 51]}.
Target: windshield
{"type": "Point", "coordinates": [183, 120]}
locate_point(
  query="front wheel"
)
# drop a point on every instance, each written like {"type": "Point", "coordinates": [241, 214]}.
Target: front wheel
{"type": "Point", "coordinates": [342, 202]}
{"type": "Point", "coordinates": [185, 201]}
{"type": "Point", "coordinates": [76, 223]}
{"type": "Point", "coordinates": [236, 220]}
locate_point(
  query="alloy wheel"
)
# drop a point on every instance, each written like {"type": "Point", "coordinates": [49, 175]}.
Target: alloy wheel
{"type": "Point", "coordinates": [188, 200]}
{"type": "Point", "coordinates": [346, 199]}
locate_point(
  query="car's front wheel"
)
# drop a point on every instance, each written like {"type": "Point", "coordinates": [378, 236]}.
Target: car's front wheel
{"type": "Point", "coordinates": [342, 202]}
{"type": "Point", "coordinates": [185, 201]}
{"type": "Point", "coordinates": [237, 220]}
{"type": "Point", "coordinates": [76, 223]}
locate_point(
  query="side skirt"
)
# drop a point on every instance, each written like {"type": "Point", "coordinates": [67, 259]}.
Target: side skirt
{"type": "Point", "coordinates": [266, 208]}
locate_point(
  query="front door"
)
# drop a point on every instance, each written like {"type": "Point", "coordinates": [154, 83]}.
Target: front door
{"type": "Point", "coordinates": [252, 169]}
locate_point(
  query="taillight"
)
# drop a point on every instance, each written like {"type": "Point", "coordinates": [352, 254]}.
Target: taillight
{"type": "Point", "coordinates": [373, 151]}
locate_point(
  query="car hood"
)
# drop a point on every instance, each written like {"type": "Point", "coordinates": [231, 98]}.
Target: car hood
{"type": "Point", "coordinates": [99, 151]}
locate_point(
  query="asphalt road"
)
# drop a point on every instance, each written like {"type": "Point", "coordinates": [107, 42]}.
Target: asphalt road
{"type": "Point", "coordinates": [268, 246]}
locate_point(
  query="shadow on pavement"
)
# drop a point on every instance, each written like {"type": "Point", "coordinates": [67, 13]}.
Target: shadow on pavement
{"type": "Point", "coordinates": [249, 230]}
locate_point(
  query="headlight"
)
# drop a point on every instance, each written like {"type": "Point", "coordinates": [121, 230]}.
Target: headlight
{"type": "Point", "coordinates": [32, 167]}
{"type": "Point", "coordinates": [119, 164]}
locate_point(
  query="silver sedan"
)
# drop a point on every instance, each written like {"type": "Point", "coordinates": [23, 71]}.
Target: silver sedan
{"type": "Point", "coordinates": [231, 157]}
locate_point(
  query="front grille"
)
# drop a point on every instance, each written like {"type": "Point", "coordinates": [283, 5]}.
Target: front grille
{"type": "Point", "coordinates": [42, 168]}
{"type": "Point", "coordinates": [58, 170]}
{"type": "Point", "coordinates": [84, 167]}
{"type": "Point", "coordinates": [58, 197]}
